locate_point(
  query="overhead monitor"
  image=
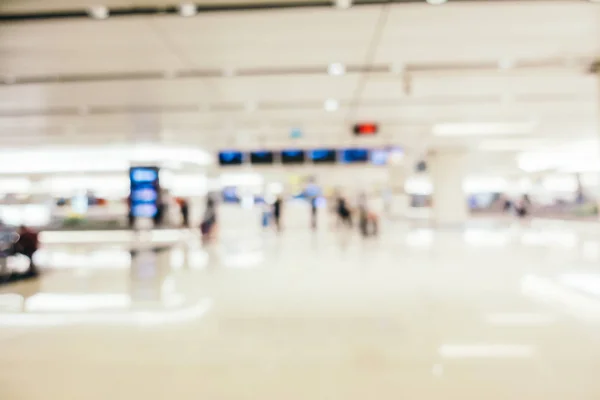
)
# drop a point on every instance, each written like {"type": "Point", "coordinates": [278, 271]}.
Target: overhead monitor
{"type": "Point", "coordinates": [292, 156]}
{"type": "Point", "coordinates": [353, 155]}
{"type": "Point", "coordinates": [261, 157]}
{"type": "Point", "coordinates": [379, 156]}
{"type": "Point", "coordinates": [323, 156]}
{"type": "Point", "coordinates": [230, 158]}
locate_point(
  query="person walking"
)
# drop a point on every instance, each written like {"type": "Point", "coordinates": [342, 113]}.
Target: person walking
{"type": "Point", "coordinates": [277, 206]}
{"type": "Point", "coordinates": [313, 213]}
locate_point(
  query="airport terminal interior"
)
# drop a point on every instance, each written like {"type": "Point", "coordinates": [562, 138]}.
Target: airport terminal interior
{"type": "Point", "coordinates": [299, 199]}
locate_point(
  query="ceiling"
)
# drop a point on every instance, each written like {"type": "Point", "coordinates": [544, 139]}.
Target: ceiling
{"type": "Point", "coordinates": [246, 78]}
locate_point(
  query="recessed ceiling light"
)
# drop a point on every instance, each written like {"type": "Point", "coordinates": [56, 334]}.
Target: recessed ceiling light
{"type": "Point", "coordinates": [506, 63]}
{"type": "Point", "coordinates": [229, 72]}
{"type": "Point", "coordinates": [250, 106]}
{"type": "Point", "coordinates": [331, 105]}
{"type": "Point", "coordinates": [436, 2]}
{"type": "Point", "coordinates": [98, 12]}
{"type": "Point", "coordinates": [9, 79]}
{"type": "Point", "coordinates": [397, 68]}
{"type": "Point", "coordinates": [188, 9]}
{"type": "Point", "coordinates": [336, 69]}
{"type": "Point", "coordinates": [343, 3]}
{"type": "Point", "coordinates": [482, 129]}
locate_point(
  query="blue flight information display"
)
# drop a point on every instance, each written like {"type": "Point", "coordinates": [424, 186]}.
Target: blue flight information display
{"type": "Point", "coordinates": [354, 155]}
{"type": "Point", "coordinates": [379, 157]}
{"type": "Point", "coordinates": [321, 156]}
{"type": "Point", "coordinates": [292, 156]}
{"type": "Point", "coordinates": [145, 188]}
{"type": "Point", "coordinates": [261, 157]}
{"type": "Point", "coordinates": [231, 158]}
{"type": "Point", "coordinates": [350, 156]}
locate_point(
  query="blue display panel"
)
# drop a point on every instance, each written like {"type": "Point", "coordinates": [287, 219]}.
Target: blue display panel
{"type": "Point", "coordinates": [293, 156]}
{"type": "Point", "coordinates": [322, 156]}
{"type": "Point", "coordinates": [351, 156]}
{"type": "Point", "coordinates": [144, 191]}
{"type": "Point", "coordinates": [379, 157]}
{"type": "Point", "coordinates": [261, 157]}
{"type": "Point", "coordinates": [231, 158]}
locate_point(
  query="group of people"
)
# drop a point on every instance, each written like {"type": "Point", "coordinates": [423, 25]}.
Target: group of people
{"type": "Point", "coordinates": [521, 207]}
{"type": "Point", "coordinates": [368, 221]}
{"type": "Point", "coordinates": [26, 244]}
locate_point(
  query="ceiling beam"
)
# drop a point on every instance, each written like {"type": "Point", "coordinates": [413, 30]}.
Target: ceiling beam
{"type": "Point", "coordinates": [170, 9]}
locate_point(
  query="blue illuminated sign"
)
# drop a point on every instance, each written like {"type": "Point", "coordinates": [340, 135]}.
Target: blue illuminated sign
{"type": "Point", "coordinates": [144, 193]}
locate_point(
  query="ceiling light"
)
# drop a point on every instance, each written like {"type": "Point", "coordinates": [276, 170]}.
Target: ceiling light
{"type": "Point", "coordinates": [331, 105]}
{"type": "Point", "coordinates": [229, 72]}
{"type": "Point", "coordinates": [506, 63]}
{"type": "Point", "coordinates": [336, 69]}
{"type": "Point", "coordinates": [397, 68]}
{"type": "Point", "coordinates": [250, 106]}
{"type": "Point", "coordinates": [436, 2]}
{"type": "Point", "coordinates": [9, 79]}
{"type": "Point", "coordinates": [343, 4]}
{"type": "Point", "coordinates": [482, 129]}
{"type": "Point", "coordinates": [188, 9]}
{"type": "Point", "coordinates": [98, 12]}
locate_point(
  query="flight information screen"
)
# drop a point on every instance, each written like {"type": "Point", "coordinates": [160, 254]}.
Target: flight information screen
{"type": "Point", "coordinates": [321, 156]}
{"type": "Point", "coordinates": [293, 156]}
{"type": "Point", "coordinates": [144, 189]}
{"type": "Point", "coordinates": [261, 157]}
{"type": "Point", "coordinates": [230, 158]}
{"type": "Point", "coordinates": [350, 156]}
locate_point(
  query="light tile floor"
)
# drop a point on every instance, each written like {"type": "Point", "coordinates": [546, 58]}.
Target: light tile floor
{"type": "Point", "coordinates": [493, 312]}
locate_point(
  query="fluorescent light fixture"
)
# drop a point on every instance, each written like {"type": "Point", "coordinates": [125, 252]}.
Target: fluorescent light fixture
{"type": "Point", "coordinates": [336, 69]}
{"type": "Point", "coordinates": [9, 79]}
{"type": "Point", "coordinates": [397, 68]}
{"type": "Point", "coordinates": [229, 72]}
{"type": "Point", "coordinates": [331, 105]}
{"type": "Point", "coordinates": [476, 129]}
{"type": "Point", "coordinates": [98, 12]}
{"type": "Point", "coordinates": [520, 319]}
{"type": "Point", "coordinates": [250, 106]}
{"type": "Point", "coordinates": [506, 63]}
{"type": "Point", "coordinates": [436, 2]}
{"type": "Point", "coordinates": [511, 144]}
{"type": "Point", "coordinates": [485, 351]}
{"type": "Point", "coordinates": [343, 4]}
{"type": "Point", "coordinates": [96, 159]}
{"type": "Point", "coordinates": [188, 9]}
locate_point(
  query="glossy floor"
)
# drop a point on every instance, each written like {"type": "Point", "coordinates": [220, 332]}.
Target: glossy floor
{"type": "Point", "coordinates": [492, 312]}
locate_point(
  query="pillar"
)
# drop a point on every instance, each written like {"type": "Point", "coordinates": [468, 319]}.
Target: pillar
{"type": "Point", "coordinates": [396, 201]}
{"type": "Point", "coordinates": [449, 205]}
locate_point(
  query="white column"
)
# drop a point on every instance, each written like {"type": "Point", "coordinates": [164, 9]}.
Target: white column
{"type": "Point", "coordinates": [396, 201]}
{"type": "Point", "coordinates": [449, 199]}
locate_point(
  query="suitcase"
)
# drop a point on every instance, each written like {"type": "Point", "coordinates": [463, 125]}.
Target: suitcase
{"type": "Point", "coordinates": [266, 219]}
